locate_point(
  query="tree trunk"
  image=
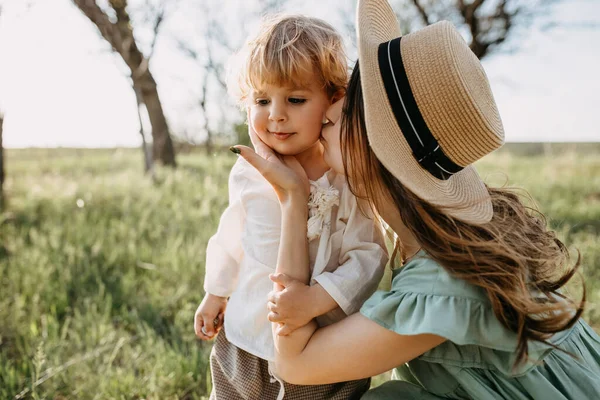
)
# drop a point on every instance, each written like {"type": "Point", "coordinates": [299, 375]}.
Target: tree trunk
{"type": "Point", "coordinates": [162, 146]}
{"type": "Point", "coordinates": [148, 163]}
{"type": "Point", "coordinates": [120, 35]}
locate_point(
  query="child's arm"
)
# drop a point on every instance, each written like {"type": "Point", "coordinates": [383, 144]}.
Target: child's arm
{"type": "Point", "coordinates": [223, 256]}
{"type": "Point", "coordinates": [363, 256]}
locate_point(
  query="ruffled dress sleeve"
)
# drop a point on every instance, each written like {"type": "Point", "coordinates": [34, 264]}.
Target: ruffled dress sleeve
{"type": "Point", "coordinates": [425, 298]}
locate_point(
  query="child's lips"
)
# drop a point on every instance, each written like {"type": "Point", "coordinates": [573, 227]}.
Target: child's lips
{"type": "Point", "coordinates": [281, 135]}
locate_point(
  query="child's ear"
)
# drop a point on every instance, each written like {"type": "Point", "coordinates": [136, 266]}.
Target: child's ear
{"type": "Point", "coordinates": [338, 95]}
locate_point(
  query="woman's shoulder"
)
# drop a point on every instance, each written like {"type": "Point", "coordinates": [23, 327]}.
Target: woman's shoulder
{"type": "Point", "coordinates": [425, 298]}
{"type": "Point", "coordinates": [424, 275]}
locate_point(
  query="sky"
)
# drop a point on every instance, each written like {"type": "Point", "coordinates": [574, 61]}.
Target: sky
{"type": "Point", "coordinates": [60, 85]}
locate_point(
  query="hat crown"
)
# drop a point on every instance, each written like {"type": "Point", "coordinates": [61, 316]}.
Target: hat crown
{"type": "Point", "coordinates": [429, 110]}
{"type": "Point", "coordinates": [452, 92]}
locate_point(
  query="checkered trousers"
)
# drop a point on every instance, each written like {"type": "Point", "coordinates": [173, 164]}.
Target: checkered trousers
{"type": "Point", "coordinates": [239, 375]}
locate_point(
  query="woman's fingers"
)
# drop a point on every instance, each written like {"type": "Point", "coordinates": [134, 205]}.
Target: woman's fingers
{"type": "Point", "coordinates": [258, 162]}
{"type": "Point", "coordinates": [259, 146]}
{"type": "Point", "coordinates": [272, 307]}
{"type": "Point", "coordinates": [273, 297]}
{"type": "Point", "coordinates": [274, 317]}
{"type": "Point", "coordinates": [284, 330]}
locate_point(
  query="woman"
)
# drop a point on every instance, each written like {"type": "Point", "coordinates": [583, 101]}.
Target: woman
{"type": "Point", "coordinates": [476, 311]}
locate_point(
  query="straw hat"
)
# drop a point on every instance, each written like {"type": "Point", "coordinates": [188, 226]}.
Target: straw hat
{"type": "Point", "coordinates": [429, 110]}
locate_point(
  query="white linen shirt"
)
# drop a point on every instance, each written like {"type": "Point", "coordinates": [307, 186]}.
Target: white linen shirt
{"type": "Point", "coordinates": [347, 260]}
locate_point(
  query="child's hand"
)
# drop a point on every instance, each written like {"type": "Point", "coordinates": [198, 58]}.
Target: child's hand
{"type": "Point", "coordinates": [293, 306]}
{"type": "Point", "coordinates": [209, 317]}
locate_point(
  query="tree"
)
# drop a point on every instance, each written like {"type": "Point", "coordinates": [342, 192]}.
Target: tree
{"type": "Point", "coordinates": [488, 22]}
{"type": "Point", "coordinates": [210, 67]}
{"type": "Point", "coordinates": [119, 33]}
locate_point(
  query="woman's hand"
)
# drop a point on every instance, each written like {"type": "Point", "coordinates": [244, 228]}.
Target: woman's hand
{"type": "Point", "coordinates": [284, 173]}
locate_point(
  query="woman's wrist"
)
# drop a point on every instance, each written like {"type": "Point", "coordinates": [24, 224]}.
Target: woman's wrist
{"type": "Point", "coordinates": [296, 201]}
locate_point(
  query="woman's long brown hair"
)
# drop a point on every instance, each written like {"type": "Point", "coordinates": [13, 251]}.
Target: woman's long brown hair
{"type": "Point", "coordinates": [514, 258]}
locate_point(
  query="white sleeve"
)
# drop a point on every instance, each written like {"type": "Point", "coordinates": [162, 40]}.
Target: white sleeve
{"type": "Point", "coordinates": [263, 225]}
{"type": "Point", "coordinates": [363, 257]}
{"type": "Point", "coordinates": [224, 252]}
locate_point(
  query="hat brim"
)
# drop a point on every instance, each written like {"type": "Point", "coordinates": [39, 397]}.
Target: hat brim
{"type": "Point", "coordinates": [464, 195]}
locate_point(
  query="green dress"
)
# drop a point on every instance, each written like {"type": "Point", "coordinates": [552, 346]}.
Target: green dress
{"type": "Point", "coordinates": [476, 362]}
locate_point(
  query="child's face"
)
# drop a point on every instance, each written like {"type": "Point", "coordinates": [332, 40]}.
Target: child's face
{"type": "Point", "coordinates": [288, 119]}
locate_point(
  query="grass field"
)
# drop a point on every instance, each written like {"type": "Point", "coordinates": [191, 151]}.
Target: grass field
{"type": "Point", "coordinates": [101, 269]}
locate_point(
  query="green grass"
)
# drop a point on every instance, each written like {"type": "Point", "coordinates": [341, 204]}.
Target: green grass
{"type": "Point", "coordinates": [101, 269]}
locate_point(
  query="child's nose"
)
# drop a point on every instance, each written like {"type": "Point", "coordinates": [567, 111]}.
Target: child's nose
{"type": "Point", "coordinates": [277, 113]}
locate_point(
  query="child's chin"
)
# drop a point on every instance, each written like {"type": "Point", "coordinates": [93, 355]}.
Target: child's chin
{"type": "Point", "coordinates": [287, 150]}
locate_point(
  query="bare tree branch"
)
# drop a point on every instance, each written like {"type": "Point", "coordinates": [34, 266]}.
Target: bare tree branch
{"type": "Point", "coordinates": [422, 12]}
{"type": "Point", "coordinates": [160, 17]}
{"type": "Point", "coordinates": [487, 29]}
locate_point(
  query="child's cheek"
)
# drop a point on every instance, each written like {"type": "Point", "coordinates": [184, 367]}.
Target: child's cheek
{"type": "Point", "coordinates": [259, 124]}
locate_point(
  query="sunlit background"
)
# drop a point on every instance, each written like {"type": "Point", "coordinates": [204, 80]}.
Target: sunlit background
{"type": "Point", "coordinates": [60, 84]}
{"type": "Point", "coordinates": [102, 246]}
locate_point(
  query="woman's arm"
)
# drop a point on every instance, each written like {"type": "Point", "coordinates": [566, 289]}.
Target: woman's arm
{"type": "Point", "coordinates": [353, 348]}
{"type": "Point", "coordinates": [293, 261]}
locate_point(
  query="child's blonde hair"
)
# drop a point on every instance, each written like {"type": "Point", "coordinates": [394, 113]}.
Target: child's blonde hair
{"type": "Point", "coordinates": [290, 50]}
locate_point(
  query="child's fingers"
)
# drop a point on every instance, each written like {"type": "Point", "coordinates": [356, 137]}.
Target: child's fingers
{"type": "Point", "coordinates": [200, 330]}
{"type": "Point", "coordinates": [220, 320]}
{"type": "Point", "coordinates": [281, 279]}
{"type": "Point", "coordinates": [209, 326]}
{"type": "Point", "coordinates": [198, 325]}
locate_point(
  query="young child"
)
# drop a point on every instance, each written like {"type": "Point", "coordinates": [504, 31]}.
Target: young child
{"type": "Point", "coordinates": [294, 69]}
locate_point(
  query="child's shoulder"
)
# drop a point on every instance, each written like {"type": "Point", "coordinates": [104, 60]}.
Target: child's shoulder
{"type": "Point", "coordinates": [244, 171]}
{"type": "Point", "coordinates": [244, 175]}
